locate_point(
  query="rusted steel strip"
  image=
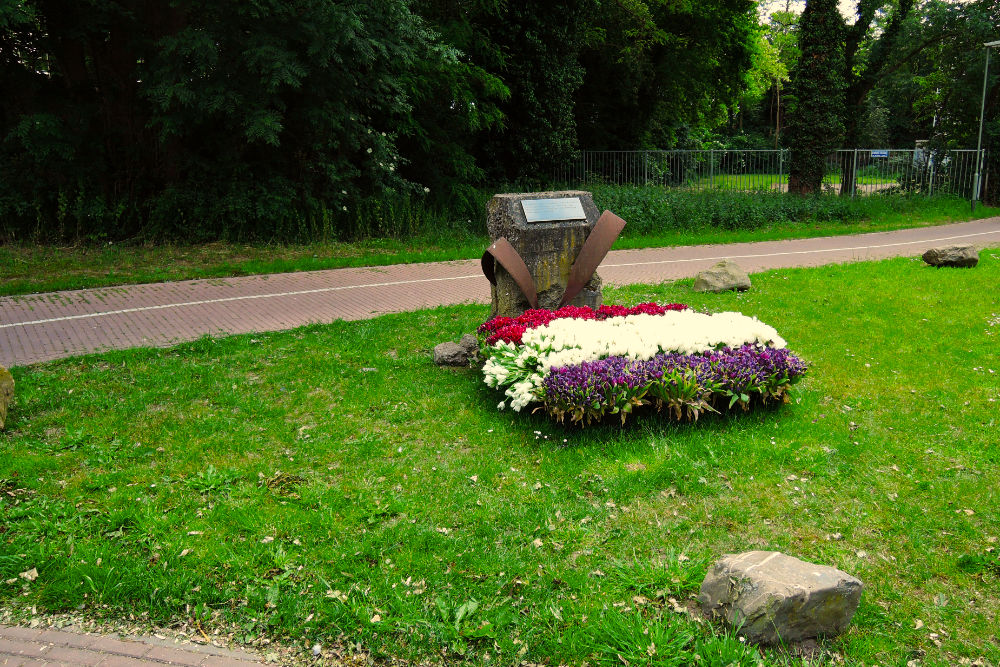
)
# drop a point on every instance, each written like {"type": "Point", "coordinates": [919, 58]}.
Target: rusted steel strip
{"type": "Point", "coordinates": [597, 245]}
{"type": "Point", "coordinates": [503, 252]}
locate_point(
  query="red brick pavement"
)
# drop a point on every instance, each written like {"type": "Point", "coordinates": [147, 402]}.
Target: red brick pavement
{"type": "Point", "coordinates": [41, 327]}
{"type": "Point", "coordinates": [29, 646]}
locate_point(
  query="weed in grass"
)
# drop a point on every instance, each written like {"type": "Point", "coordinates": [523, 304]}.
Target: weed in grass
{"type": "Point", "coordinates": [398, 509]}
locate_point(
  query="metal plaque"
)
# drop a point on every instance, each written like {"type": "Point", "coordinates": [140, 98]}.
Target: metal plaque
{"type": "Point", "coordinates": [546, 210]}
{"type": "Point", "coordinates": [881, 153]}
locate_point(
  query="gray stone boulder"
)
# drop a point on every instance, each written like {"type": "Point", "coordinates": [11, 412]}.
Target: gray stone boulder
{"type": "Point", "coordinates": [6, 393]}
{"type": "Point", "coordinates": [771, 597]}
{"type": "Point", "coordinates": [462, 353]}
{"type": "Point", "coordinates": [470, 344]}
{"type": "Point", "coordinates": [726, 275]}
{"type": "Point", "coordinates": [964, 256]}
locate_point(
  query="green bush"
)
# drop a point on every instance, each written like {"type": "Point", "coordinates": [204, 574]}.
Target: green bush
{"type": "Point", "coordinates": [652, 209]}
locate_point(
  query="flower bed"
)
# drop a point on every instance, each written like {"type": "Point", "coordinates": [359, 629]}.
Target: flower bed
{"type": "Point", "coordinates": [582, 364]}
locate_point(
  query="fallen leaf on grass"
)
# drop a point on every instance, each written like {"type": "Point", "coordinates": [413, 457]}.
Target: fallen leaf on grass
{"type": "Point", "coordinates": [676, 607]}
{"type": "Point", "coordinates": [918, 624]}
{"type": "Point", "coordinates": [29, 575]}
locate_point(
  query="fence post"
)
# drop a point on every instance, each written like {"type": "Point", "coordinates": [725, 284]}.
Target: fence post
{"type": "Point", "coordinates": [645, 168]}
{"type": "Point", "coordinates": [711, 169]}
{"type": "Point", "coordinates": [781, 167]}
{"type": "Point", "coordinates": [854, 175]}
{"type": "Point", "coordinates": [930, 182]}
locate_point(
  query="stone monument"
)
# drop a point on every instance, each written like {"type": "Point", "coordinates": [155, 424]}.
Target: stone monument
{"type": "Point", "coordinates": [545, 250]}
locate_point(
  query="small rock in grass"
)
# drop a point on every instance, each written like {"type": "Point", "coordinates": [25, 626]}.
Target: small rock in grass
{"type": "Point", "coordinates": [726, 275]}
{"type": "Point", "coordinates": [457, 354]}
{"type": "Point", "coordinates": [6, 393]}
{"type": "Point", "coordinates": [470, 344]}
{"type": "Point", "coordinates": [771, 597]}
{"type": "Point", "coordinates": [964, 256]}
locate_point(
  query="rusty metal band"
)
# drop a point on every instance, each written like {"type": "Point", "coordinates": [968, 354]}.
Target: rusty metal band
{"type": "Point", "coordinates": [503, 252]}
{"type": "Point", "coordinates": [597, 245]}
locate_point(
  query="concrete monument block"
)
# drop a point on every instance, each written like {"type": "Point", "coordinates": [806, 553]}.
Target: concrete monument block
{"type": "Point", "coordinates": [548, 231]}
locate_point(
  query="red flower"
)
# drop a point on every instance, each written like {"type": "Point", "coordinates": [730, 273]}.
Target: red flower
{"type": "Point", "coordinates": [511, 329]}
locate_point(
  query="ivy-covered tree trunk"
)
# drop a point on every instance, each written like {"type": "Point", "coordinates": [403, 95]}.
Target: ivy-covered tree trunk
{"type": "Point", "coordinates": [816, 96]}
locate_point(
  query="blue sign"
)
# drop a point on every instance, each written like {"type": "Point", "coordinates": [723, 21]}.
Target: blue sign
{"type": "Point", "coordinates": [881, 153]}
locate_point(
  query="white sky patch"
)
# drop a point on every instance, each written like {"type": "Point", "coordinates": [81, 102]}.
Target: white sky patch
{"type": "Point", "coordinates": [848, 8]}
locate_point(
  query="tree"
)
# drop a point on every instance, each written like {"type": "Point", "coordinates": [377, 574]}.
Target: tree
{"type": "Point", "coordinates": [454, 107]}
{"type": "Point", "coordinates": [816, 97]}
{"type": "Point", "coordinates": [654, 69]}
{"type": "Point", "coordinates": [782, 34]}
{"type": "Point", "coordinates": [871, 49]}
{"type": "Point", "coordinates": [199, 120]}
{"type": "Point", "coordinates": [950, 87]}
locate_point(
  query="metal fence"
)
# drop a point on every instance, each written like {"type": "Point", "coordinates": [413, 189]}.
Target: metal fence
{"type": "Point", "coordinates": [918, 170]}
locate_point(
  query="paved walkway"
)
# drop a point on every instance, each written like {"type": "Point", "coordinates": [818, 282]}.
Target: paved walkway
{"type": "Point", "coordinates": [41, 327]}
{"type": "Point", "coordinates": [35, 647]}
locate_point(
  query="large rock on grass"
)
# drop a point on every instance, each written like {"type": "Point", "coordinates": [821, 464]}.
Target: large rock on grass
{"type": "Point", "coordinates": [964, 256]}
{"type": "Point", "coordinates": [724, 276]}
{"type": "Point", "coordinates": [771, 597]}
{"type": "Point", "coordinates": [6, 393]}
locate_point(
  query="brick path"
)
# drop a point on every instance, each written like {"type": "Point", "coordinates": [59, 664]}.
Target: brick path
{"type": "Point", "coordinates": [41, 327]}
{"type": "Point", "coordinates": [27, 646]}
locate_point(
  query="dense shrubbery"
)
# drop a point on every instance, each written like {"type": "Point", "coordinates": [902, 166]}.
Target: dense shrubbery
{"type": "Point", "coordinates": [650, 210]}
{"type": "Point", "coordinates": [647, 210]}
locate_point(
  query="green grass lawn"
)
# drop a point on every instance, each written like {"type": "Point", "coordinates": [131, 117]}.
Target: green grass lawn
{"type": "Point", "coordinates": [330, 484]}
{"type": "Point", "coordinates": [40, 268]}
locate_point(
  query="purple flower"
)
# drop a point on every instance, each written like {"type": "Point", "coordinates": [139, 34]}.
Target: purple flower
{"type": "Point", "coordinates": [685, 384]}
